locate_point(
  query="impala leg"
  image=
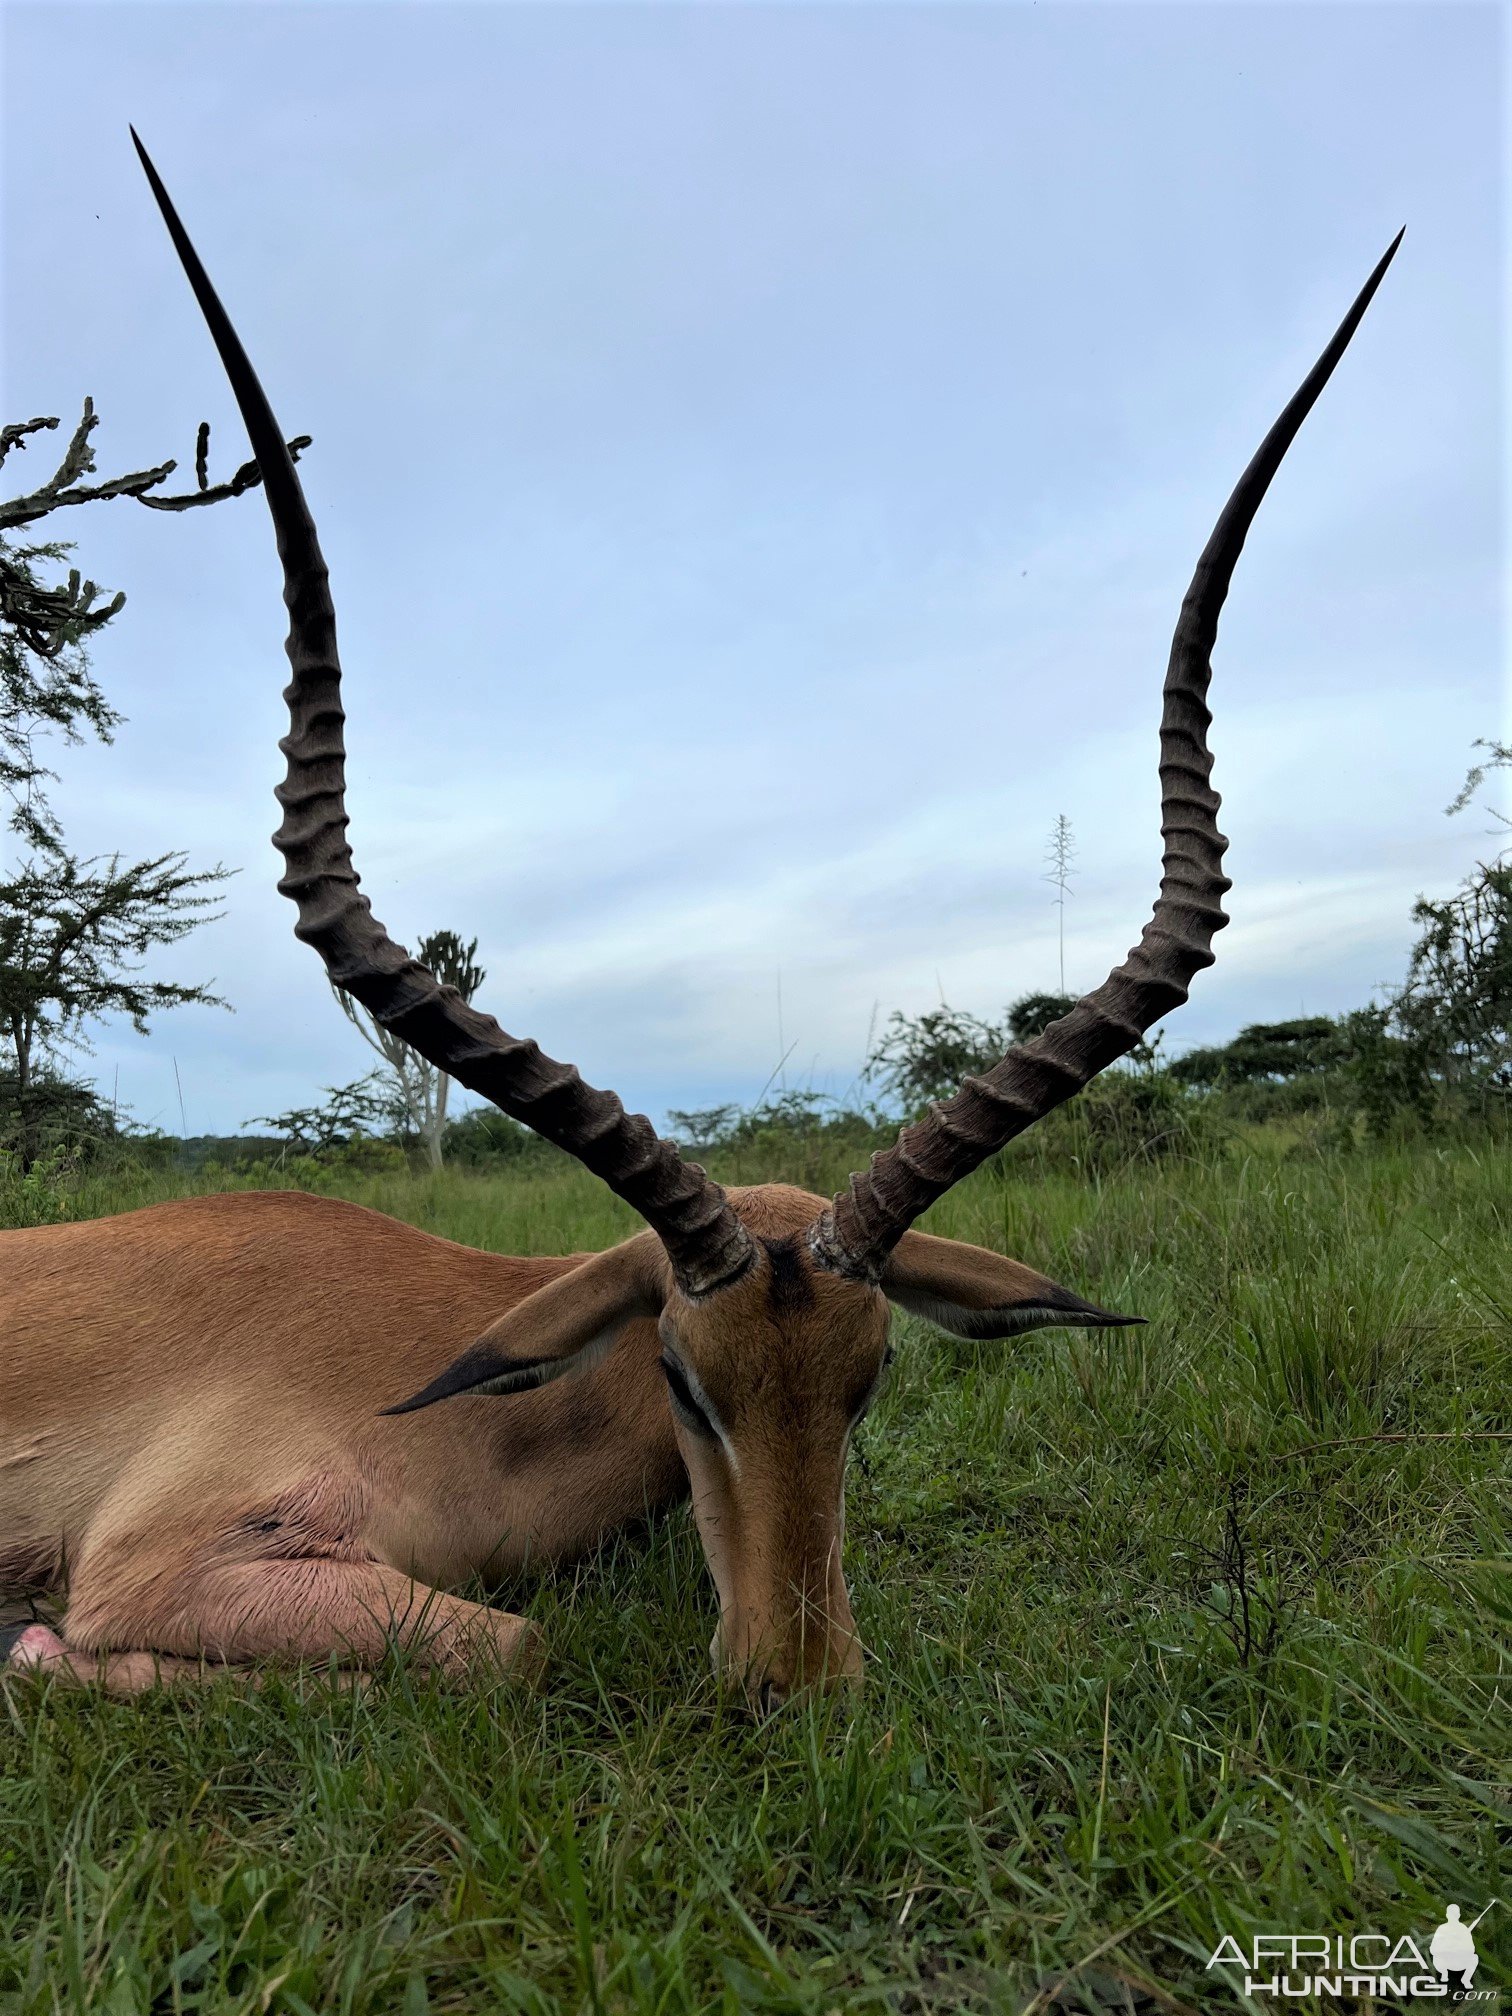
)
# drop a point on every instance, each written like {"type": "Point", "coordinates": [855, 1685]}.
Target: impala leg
{"type": "Point", "coordinates": [38, 1652]}
{"type": "Point", "coordinates": [35, 1650]}
{"type": "Point", "coordinates": [306, 1611]}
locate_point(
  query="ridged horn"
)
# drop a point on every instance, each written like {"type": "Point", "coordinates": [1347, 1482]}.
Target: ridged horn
{"type": "Point", "coordinates": [864, 1223]}
{"type": "Point", "coordinates": [705, 1242]}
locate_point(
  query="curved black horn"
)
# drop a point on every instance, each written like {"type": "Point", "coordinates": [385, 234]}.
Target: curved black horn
{"type": "Point", "coordinates": [864, 1223]}
{"type": "Point", "coordinates": [705, 1242]}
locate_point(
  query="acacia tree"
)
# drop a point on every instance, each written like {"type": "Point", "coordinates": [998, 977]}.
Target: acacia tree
{"type": "Point", "coordinates": [1456, 1007]}
{"type": "Point", "coordinates": [919, 1058]}
{"type": "Point", "coordinates": [365, 1110]}
{"type": "Point", "coordinates": [74, 931]}
{"type": "Point", "coordinates": [1455, 1010]}
{"type": "Point", "coordinates": [73, 936]}
{"type": "Point", "coordinates": [1497, 756]}
{"type": "Point", "coordinates": [421, 1090]}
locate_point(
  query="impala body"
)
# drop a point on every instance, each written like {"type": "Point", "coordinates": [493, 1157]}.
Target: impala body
{"type": "Point", "coordinates": [241, 1494]}
{"type": "Point", "coordinates": [222, 1436]}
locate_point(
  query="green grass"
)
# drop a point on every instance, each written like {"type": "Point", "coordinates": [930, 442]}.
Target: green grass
{"type": "Point", "coordinates": [1146, 1667]}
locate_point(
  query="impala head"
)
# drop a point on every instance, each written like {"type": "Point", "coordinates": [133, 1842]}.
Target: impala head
{"type": "Point", "coordinates": [767, 1378]}
{"type": "Point", "coordinates": [771, 1305]}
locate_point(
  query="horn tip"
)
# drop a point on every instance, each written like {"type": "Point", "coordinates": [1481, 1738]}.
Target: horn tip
{"type": "Point", "coordinates": [1384, 261]}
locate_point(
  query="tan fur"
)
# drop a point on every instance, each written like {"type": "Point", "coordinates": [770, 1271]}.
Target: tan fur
{"type": "Point", "coordinates": [193, 1452]}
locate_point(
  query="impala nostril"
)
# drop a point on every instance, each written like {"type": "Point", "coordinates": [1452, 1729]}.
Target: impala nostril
{"type": "Point", "coordinates": [770, 1696]}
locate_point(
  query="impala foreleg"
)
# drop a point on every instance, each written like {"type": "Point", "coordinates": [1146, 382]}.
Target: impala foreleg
{"type": "Point", "coordinates": [301, 1611]}
{"type": "Point", "coordinates": [37, 1652]}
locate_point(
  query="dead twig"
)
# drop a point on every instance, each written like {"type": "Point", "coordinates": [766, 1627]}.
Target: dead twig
{"type": "Point", "coordinates": [67, 486]}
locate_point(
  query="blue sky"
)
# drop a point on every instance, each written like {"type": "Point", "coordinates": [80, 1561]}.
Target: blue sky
{"type": "Point", "coordinates": [761, 451]}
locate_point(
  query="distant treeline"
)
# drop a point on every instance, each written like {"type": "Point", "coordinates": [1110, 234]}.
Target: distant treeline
{"type": "Point", "coordinates": [1434, 1059]}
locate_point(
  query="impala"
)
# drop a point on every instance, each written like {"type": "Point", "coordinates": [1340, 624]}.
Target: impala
{"type": "Point", "coordinates": [207, 1455]}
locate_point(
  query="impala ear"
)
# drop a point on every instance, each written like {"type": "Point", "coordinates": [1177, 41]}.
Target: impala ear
{"type": "Point", "coordinates": [564, 1327]}
{"type": "Point", "coordinates": [974, 1293]}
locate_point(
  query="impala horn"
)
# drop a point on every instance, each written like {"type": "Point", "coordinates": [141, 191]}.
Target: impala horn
{"type": "Point", "coordinates": [705, 1242]}
{"type": "Point", "coordinates": [864, 1223]}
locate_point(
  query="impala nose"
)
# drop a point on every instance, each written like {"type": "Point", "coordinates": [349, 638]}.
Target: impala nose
{"type": "Point", "coordinates": [770, 1696]}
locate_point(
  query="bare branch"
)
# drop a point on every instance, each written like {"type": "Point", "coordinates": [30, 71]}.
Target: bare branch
{"type": "Point", "coordinates": [78, 457]}
{"type": "Point", "coordinates": [1498, 757]}
{"type": "Point", "coordinates": [66, 487]}
{"type": "Point", "coordinates": [246, 478]}
{"type": "Point", "coordinates": [15, 435]}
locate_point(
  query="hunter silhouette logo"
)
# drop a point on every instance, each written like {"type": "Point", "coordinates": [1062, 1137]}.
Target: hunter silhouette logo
{"type": "Point", "coordinates": [1336, 1965]}
{"type": "Point", "coordinates": [1452, 1947]}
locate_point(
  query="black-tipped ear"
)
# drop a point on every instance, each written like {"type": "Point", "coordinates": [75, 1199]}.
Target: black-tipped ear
{"type": "Point", "coordinates": [483, 1372]}
{"type": "Point", "coordinates": [564, 1327]}
{"type": "Point", "coordinates": [973, 1293]}
{"type": "Point", "coordinates": [1061, 1310]}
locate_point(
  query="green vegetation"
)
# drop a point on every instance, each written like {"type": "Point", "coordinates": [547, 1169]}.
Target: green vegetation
{"type": "Point", "coordinates": [1168, 1638]}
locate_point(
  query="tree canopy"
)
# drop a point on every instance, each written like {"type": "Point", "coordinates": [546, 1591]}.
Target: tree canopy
{"type": "Point", "coordinates": [75, 933]}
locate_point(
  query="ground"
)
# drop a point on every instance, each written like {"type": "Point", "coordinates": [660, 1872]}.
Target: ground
{"type": "Point", "coordinates": [1168, 1639]}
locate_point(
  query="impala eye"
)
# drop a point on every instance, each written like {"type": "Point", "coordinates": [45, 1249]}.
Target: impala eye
{"type": "Point", "coordinates": [687, 1408]}
{"type": "Point", "coordinates": [873, 1390]}
{"type": "Point", "coordinates": [863, 1406]}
